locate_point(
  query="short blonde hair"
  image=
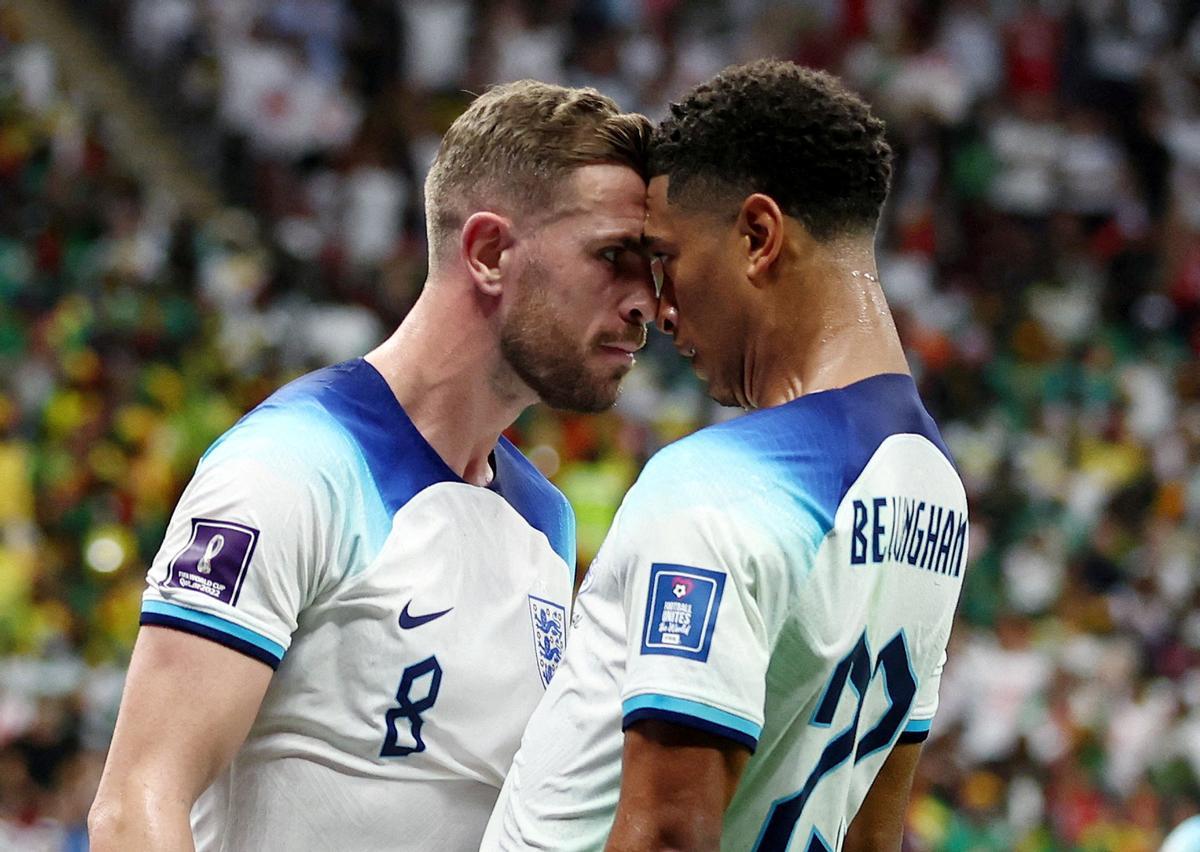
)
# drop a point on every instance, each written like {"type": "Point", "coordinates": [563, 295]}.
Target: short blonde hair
{"type": "Point", "coordinates": [515, 143]}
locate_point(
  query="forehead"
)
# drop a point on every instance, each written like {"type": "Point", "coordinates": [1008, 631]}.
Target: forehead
{"type": "Point", "coordinates": [606, 196]}
{"type": "Point", "coordinates": [660, 218]}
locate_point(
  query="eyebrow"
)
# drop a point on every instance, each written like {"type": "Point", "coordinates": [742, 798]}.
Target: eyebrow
{"type": "Point", "coordinates": [655, 244]}
{"type": "Point", "coordinates": [636, 244]}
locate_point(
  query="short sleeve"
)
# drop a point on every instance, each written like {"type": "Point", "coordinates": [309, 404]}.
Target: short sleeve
{"type": "Point", "coordinates": [241, 554]}
{"type": "Point", "coordinates": [698, 641]}
{"type": "Point", "coordinates": [925, 706]}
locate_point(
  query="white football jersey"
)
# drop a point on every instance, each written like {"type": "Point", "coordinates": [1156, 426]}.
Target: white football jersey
{"type": "Point", "coordinates": [786, 580]}
{"type": "Point", "coordinates": [414, 620]}
{"type": "Point", "coordinates": [1184, 838]}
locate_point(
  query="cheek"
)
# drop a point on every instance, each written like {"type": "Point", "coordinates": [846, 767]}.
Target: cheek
{"type": "Point", "coordinates": [580, 318]}
{"type": "Point", "coordinates": [693, 286]}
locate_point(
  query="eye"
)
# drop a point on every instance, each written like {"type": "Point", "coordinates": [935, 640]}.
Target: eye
{"type": "Point", "coordinates": [612, 254]}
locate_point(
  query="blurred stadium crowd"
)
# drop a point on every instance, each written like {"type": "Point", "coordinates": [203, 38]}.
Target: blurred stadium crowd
{"type": "Point", "coordinates": [1041, 250]}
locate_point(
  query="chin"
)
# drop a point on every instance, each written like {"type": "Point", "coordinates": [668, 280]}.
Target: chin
{"type": "Point", "coordinates": [725, 400]}
{"type": "Point", "coordinates": [720, 395]}
{"type": "Point", "coordinates": [596, 397]}
{"type": "Point", "coordinates": [593, 405]}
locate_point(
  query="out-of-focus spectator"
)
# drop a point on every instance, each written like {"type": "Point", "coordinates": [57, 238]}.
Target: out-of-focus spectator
{"type": "Point", "coordinates": [1041, 251]}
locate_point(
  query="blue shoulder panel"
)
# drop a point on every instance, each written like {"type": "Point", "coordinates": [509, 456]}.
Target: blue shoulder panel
{"type": "Point", "coordinates": [886, 405]}
{"type": "Point", "coordinates": [802, 455]}
{"type": "Point", "coordinates": [400, 460]}
{"type": "Point", "coordinates": [539, 502]}
{"type": "Point", "coordinates": [828, 437]}
{"type": "Point", "coordinates": [856, 418]}
{"type": "Point", "coordinates": [403, 464]}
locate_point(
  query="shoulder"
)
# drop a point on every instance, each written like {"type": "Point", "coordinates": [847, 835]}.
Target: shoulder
{"type": "Point", "coordinates": [725, 465]}
{"type": "Point", "coordinates": [536, 499]}
{"type": "Point", "coordinates": [717, 486]}
{"type": "Point", "coordinates": [290, 435]}
{"type": "Point", "coordinates": [702, 467]}
{"type": "Point", "coordinates": [1185, 836]}
{"type": "Point", "coordinates": [787, 465]}
{"type": "Point", "coordinates": [521, 475]}
{"type": "Point", "coordinates": [341, 428]}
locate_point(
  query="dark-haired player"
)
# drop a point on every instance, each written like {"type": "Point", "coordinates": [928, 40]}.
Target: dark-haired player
{"type": "Point", "coordinates": [363, 591]}
{"type": "Point", "coordinates": [768, 618]}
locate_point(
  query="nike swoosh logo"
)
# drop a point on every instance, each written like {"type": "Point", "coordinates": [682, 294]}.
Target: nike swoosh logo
{"type": "Point", "coordinates": [407, 622]}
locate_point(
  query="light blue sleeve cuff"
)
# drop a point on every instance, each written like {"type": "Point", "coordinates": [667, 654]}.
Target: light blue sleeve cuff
{"type": "Point", "coordinates": [918, 726]}
{"type": "Point", "coordinates": [163, 614]}
{"type": "Point", "coordinates": [692, 714]}
{"type": "Point", "coordinates": [916, 731]}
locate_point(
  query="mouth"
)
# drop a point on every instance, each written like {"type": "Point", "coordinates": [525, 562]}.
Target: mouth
{"type": "Point", "coordinates": [626, 347]}
{"type": "Point", "coordinates": [623, 348]}
{"type": "Point", "coordinates": [621, 356]}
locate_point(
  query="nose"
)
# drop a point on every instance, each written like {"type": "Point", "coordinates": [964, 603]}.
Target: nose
{"type": "Point", "coordinates": [640, 306]}
{"type": "Point", "coordinates": [667, 318]}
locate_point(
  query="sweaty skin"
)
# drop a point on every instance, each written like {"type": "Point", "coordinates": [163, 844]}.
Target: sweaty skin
{"type": "Point", "coordinates": [446, 367]}
{"type": "Point", "coordinates": [758, 344]}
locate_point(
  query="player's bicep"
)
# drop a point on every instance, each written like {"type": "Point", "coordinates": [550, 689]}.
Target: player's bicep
{"type": "Point", "coordinates": [676, 782]}
{"type": "Point", "coordinates": [879, 824]}
{"type": "Point", "coordinates": [188, 705]}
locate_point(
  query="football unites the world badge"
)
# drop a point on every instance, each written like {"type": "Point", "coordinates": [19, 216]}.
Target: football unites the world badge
{"type": "Point", "coordinates": [549, 635]}
{"type": "Point", "coordinates": [681, 610]}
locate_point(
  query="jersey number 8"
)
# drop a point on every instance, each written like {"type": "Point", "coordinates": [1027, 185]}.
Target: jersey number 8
{"type": "Point", "coordinates": [410, 709]}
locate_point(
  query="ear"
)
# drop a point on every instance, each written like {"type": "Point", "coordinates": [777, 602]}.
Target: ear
{"type": "Point", "coordinates": [761, 226]}
{"type": "Point", "coordinates": [483, 241]}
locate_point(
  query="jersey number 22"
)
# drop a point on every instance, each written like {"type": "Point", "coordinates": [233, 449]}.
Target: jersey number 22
{"type": "Point", "coordinates": [857, 669]}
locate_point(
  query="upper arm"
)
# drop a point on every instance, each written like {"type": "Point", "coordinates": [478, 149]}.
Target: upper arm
{"type": "Point", "coordinates": [702, 607]}
{"type": "Point", "coordinates": [879, 824]}
{"type": "Point", "coordinates": [241, 554]}
{"type": "Point", "coordinates": [188, 705]}
{"type": "Point", "coordinates": [240, 557]}
{"type": "Point", "coordinates": [698, 627]}
{"type": "Point", "coordinates": [676, 783]}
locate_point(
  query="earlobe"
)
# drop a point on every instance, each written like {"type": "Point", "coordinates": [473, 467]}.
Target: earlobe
{"type": "Point", "coordinates": [761, 223]}
{"type": "Point", "coordinates": [483, 241]}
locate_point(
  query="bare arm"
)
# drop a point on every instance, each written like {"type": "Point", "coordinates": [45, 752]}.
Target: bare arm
{"type": "Point", "coordinates": [187, 707]}
{"type": "Point", "coordinates": [676, 783]}
{"type": "Point", "coordinates": [879, 824]}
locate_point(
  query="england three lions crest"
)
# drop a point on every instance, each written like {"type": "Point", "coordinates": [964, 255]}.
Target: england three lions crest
{"type": "Point", "coordinates": [549, 635]}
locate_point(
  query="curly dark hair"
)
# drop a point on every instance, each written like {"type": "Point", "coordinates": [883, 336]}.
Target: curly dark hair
{"type": "Point", "coordinates": [792, 133]}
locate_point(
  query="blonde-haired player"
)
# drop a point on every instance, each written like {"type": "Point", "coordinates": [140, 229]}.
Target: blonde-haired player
{"type": "Point", "coordinates": [363, 591]}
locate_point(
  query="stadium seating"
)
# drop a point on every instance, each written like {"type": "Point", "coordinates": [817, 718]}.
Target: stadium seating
{"type": "Point", "coordinates": [1041, 250]}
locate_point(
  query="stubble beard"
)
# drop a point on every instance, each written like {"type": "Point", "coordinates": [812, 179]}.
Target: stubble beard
{"type": "Point", "coordinates": [551, 363]}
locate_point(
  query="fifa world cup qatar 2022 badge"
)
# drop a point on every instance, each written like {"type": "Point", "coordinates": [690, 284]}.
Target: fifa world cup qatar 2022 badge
{"type": "Point", "coordinates": [681, 610]}
{"type": "Point", "coordinates": [214, 560]}
{"type": "Point", "coordinates": [549, 635]}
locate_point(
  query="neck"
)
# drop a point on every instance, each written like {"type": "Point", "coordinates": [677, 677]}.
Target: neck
{"type": "Point", "coordinates": [443, 364]}
{"type": "Point", "coordinates": [828, 326]}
